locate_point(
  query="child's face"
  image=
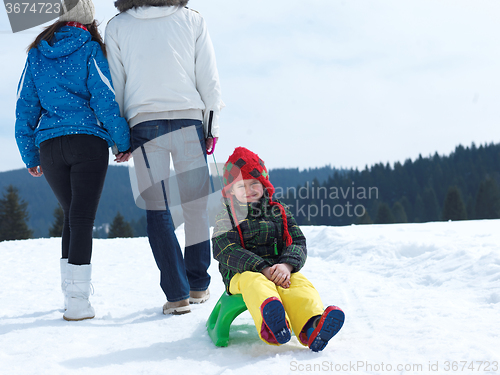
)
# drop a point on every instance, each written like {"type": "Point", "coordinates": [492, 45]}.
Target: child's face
{"type": "Point", "coordinates": [247, 191]}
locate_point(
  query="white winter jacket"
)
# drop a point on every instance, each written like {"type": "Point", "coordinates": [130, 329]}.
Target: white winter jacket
{"type": "Point", "coordinates": [163, 65]}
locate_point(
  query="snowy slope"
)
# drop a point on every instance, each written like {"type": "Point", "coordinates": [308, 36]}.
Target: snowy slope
{"type": "Point", "coordinates": [415, 296]}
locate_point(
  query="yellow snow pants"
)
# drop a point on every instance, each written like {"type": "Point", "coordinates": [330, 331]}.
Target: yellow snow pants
{"type": "Point", "coordinates": [301, 300]}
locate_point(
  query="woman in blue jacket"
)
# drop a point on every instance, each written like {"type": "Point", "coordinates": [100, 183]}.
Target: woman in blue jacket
{"type": "Point", "coordinates": [66, 118]}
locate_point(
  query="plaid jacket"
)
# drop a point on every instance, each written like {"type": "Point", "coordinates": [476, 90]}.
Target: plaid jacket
{"type": "Point", "coordinates": [262, 228]}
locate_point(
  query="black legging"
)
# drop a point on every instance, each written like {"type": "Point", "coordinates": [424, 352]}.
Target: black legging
{"type": "Point", "coordinates": [75, 167]}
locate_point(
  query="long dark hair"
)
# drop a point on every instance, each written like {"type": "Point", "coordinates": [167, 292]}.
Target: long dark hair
{"type": "Point", "coordinates": [48, 33]}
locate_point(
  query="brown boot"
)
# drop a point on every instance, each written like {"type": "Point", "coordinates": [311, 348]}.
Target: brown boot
{"type": "Point", "coordinates": [199, 296]}
{"type": "Point", "coordinates": [177, 308]}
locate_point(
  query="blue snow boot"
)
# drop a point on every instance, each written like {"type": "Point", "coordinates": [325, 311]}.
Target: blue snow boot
{"type": "Point", "coordinates": [274, 327]}
{"type": "Point", "coordinates": [325, 327]}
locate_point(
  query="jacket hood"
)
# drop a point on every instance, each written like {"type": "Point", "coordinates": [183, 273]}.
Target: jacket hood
{"type": "Point", "coordinates": [66, 41]}
{"type": "Point", "coordinates": [124, 5]}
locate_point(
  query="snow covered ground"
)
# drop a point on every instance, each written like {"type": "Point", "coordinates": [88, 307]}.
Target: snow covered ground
{"type": "Point", "coordinates": [418, 298]}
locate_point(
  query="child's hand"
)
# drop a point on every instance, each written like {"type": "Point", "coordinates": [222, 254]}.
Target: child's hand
{"type": "Point", "coordinates": [267, 272]}
{"type": "Point", "coordinates": [280, 274]}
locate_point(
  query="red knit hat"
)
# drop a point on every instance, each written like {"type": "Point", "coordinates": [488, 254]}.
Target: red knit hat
{"type": "Point", "coordinates": [244, 164]}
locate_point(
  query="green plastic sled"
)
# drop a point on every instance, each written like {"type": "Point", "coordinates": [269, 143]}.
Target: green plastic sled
{"type": "Point", "coordinates": [228, 307]}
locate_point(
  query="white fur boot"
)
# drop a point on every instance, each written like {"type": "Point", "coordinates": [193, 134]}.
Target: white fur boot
{"type": "Point", "coordinates": [64, 264]}
{"type": "Point", "coordinates": [78, 292]}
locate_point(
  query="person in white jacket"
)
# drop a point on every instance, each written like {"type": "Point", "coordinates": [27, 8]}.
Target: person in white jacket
{"type": "Point", "coordinates": [166, 83]}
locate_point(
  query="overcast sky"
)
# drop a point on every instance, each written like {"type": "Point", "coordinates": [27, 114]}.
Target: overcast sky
{"type": "Point", "coordinates": [347, 83]}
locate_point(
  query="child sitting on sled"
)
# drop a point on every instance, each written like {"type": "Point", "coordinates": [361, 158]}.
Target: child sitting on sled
{"type": "Point", "coordinates": [260, 250]}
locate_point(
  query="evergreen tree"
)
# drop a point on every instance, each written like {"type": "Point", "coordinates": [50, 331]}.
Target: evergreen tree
{"type": "Point", "coordinates": [431, 205]}
{"type": "Point", "coordinates": [419, 210]}
{"type": "Point", "coordinates": [57, 227]}
{"type": "Point", "coordinates": [120, 228]}
{"type": "Point", "coordinates": [365, 219]}
{"type": "Point", "coordinates": [13, 216]}
{"type": "Point", "coordinates": [384, 215]}
{"type": "Point", "coordinates": [488, 200]}
{"type": "Point", "coordinates": [408, 209]}
{"type": "Point", "coordinates": [399, 213]}
{"type": "Point", "coordinates": [454, 207]}
{"type": "Point", "coordinates": [139, 227]}
{"type": "Point", "coordinates": [471, 209]}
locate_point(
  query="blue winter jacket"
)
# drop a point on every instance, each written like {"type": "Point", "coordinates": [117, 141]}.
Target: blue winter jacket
{"type": "Point", "coordinates": [66, 89]}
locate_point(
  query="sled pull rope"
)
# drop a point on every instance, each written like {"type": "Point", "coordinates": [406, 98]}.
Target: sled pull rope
{"type": "Point", "coordinates": [218, 174]}
{"type": "Point", "coordinates": [210, 135]}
